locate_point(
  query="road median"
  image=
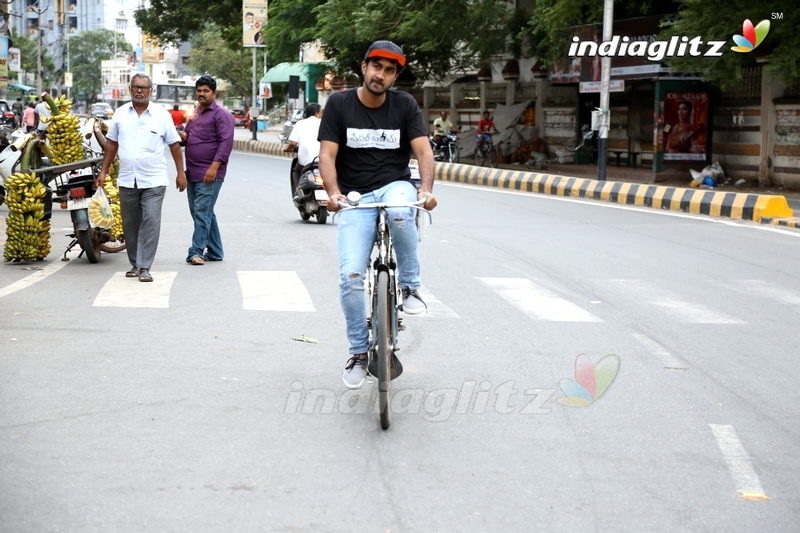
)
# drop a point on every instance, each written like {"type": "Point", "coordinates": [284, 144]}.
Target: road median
{"type": "Point", "coordinates": [767, 208]}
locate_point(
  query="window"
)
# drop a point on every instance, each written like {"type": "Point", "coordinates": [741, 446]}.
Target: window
{"type": "Point", "coordinates": [120, 2]}
{"type": "Point", "coordinates": [122, 24]}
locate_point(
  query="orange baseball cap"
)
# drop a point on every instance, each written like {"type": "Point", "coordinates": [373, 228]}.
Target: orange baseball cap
{"type": "Point", "coordinates": [387, 50]}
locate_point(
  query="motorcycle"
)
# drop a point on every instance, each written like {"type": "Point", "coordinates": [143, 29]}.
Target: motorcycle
{"type": "Point", "coordinates": [310, 197]}
{"type": "Point", "coordinates": [76, 194]}
{"type": "Point", "coordinates": [448, 149]}
{"type": "Point", "coordinates": [288, 126]}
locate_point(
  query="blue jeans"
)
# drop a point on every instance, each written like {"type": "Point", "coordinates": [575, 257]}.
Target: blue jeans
{"type": "Point", "coordinates": [357, 231]}
{"type": "Point", "coordinates": [206, 240]}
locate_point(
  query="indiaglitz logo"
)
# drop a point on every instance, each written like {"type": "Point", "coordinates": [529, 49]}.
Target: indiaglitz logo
{"type": "Point", "coordinates": [590, 382]}
{"type": "Point", "coordinates": [751, 37]}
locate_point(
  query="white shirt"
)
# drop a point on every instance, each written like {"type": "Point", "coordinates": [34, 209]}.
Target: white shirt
{"type": "Point", "coordinates": [43, 111]}
{"type": "Point", "coordinates": [305, 134]}
{"type": "Point", "coordinates": [142, 139]}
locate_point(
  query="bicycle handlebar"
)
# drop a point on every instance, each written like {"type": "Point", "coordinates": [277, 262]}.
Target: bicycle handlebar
{"type": "Point", "coordinates": [382, 205]}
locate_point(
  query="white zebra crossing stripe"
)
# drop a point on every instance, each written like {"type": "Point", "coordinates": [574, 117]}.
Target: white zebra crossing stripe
{"type": "Point", "coordinates": [274, 291]}
{"type": "Point", "coordinates": [744, 475]}
{"type": "Point", "coordinates": [120, 291]}
{"type": "Point", "coordinates": [681, 310]}
{"type": "Point", "coordinates": [764, 289]}
{"type": "Point", "coordinates": [435, 307]}
{"type": "Point", "coordinates": [538, 302]}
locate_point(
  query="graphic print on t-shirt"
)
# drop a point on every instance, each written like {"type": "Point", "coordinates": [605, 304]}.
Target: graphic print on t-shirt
{"type": "Point", "coordinates": [367, 138]}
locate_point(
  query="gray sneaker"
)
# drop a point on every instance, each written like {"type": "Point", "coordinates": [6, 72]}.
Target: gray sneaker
{"type": "Point", "coordinates": [412, 302]}
{"type": "Point", "coordinates": [355, 371]}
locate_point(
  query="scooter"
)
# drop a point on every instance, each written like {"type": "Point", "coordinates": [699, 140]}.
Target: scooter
{"type": "Point", "coordinates": [310, 197]}
{"type": "Point", "coordinates": [448, 150]}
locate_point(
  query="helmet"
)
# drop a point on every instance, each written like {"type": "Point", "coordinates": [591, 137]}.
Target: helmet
{"type": "Point", "coordinates": [387, 50]}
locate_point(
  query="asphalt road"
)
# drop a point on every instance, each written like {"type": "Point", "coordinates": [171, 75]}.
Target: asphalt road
{"type": "Point", "coordinates": [186, 405]}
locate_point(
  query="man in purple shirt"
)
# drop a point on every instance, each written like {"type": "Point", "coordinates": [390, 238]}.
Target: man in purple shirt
{"type": "Point", "coordinates": [209, 140]}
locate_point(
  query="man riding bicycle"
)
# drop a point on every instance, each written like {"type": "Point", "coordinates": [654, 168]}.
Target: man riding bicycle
{"type": "Point", "coordinates": [485, 129]}
{"type": "Point", "coordinates": [366, 138]}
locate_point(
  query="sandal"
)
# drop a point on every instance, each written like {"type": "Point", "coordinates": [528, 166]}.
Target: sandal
{"type": "Point", "coordinates": [144, 275]}
{"type": "Point", "coordinates": [132, 273]}
{"type": "Point", "coordinates": [197, 260]}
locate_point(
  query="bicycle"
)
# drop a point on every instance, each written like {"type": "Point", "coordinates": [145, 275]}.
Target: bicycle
{"type": "Point", "coordinates": [383, 294]}
{"type": "Point", "coordinates": [487, 153]}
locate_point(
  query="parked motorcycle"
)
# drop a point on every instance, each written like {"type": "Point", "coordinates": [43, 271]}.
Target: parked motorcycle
{"type": "Point", "coordinates": [310, 197]}
{"type": "Point", "coordinates": [448, 149]}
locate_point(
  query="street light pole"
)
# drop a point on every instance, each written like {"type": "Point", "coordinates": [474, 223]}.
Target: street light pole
{"type": "Point", "coordinates": [605, 80]}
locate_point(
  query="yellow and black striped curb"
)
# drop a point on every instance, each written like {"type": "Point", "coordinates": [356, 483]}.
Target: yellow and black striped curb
{"type": "Point", "coordinates": [260, 147]}
{"type": "Point", "coordinates": [786, 222]}
{"type": "Point", "coordinates": [738, 205]}
{"type": "Point", "coordinates": [688, 200]}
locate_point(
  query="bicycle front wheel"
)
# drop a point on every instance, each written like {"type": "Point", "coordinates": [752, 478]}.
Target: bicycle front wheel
{"type": "Point", "coordinates": [383, 347]}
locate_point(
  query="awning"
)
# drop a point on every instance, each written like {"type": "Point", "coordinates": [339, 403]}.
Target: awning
{"type": "Point", "coordinates": [281, 72]}
{"type": "Point", "coordinates": [21, 87]}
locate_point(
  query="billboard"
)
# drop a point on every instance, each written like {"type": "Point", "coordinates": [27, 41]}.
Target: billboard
{"type": "Point", "coordinates": [14, 60]}
{"type": "Point", "coordinates": [254, 22]}
{"type": "Point", "coordinates": [4, 42]}
{"type": "Point", "coordinates": [151, 51]}
{"type": "Point", "coordinates": [685, 125]}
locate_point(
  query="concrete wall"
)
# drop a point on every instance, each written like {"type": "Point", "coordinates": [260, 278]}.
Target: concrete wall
{"type": "Point", "coordinates": [786, 154]}
{"type": "Point", "coordinates": [737, 139]}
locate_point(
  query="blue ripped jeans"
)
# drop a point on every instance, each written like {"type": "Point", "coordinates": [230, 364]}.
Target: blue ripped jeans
{"type": "Point", "coordinates": [357, 229]}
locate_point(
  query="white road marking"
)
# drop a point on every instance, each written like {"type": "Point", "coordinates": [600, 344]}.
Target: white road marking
{"type": "Point", "coordinates": [764, 289]}
{"type": "Point", "coordinates": [435, 307]}
{"type": "Point", "coordinates": [538, 302]}
{"type": "Point", "coordinates": [681, 310]}
{"type": "Point", "coordinates": [744, 475]}
{"type": "Point", "coordinates": [30, 279]}
{"type": "Point", "coordinates": [667, 359]}
{"type": "Point", "coordinates": [659, 212]}
{"type": "Point", "coordinates": [120, 291]}
{"type": "Point", "coordinates": [274, 291]}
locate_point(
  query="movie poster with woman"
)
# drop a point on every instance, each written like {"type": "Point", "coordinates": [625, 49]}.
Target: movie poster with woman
{"type": "Point", "coordinates": [685, 126]}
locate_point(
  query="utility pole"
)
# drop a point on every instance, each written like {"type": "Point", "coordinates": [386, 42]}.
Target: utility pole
{"type": "Point", "coordinates": [605, 80]}
{"type": "Point", "coordinates": [253, 109]}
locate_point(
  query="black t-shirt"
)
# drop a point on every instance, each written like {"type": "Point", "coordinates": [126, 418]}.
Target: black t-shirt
{"type": "Point", "coordinates": [374, 143]}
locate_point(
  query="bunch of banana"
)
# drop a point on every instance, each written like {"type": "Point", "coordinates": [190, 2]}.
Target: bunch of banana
{"type": "Point", "coordinates": [27, 235]}
{"type": "Point", "coordinates": [112, 191]}
{"type": "Point", "coordinates": [100, 214]}
{"type": "Point", "coordinates": [66, 141]}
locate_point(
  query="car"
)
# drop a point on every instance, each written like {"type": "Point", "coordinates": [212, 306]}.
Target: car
{"type": "Point", "coordinates": [241, 117]}
{"type": "Point", "coordinates": [102, 110]}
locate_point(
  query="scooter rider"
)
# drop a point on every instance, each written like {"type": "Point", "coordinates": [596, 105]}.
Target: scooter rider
{"type": "Point", "coordinates": [441, 127]}
{"type": "Point", "coordinates": [304, 138]}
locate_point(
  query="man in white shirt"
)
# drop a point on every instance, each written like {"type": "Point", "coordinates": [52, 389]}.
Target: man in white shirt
{"type": "Point", "coordinates": [304, 137]}
{"type": "Point", "coordinates": [42, 111]}
{"type": "Point", "coordinates": [139, 132]}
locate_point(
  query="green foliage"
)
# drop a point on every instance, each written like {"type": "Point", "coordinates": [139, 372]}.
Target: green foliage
{"type": "Point", "coordinates": [86, 51]}
{"type": "Point", "coordinates": [550, 25]}
{"type": "Point", "coordinates": [27, 51]}
{"type": "Point", "coordinates": [175, 21]}
{"type": "Point", "coordinates": [213, 56]}
{"type": "Point", "coordinates": [438, 36]}
{"type": "Point", "coordinates": [720, 20]}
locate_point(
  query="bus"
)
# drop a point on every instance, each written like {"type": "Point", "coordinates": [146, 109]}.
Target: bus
{"type": "Point", "coordinates": [181, 92]}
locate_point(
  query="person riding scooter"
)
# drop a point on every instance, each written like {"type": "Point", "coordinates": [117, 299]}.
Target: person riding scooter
{"type": "Point", "coordinates": [304, 138]}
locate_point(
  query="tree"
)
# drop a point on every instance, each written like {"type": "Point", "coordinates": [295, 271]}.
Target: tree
{"type": "Point", "coordinates": [720, 20]}
{"type": "Point", "coordinates": [210, 55]}
{"type": "Point", "coordinates": [438, 36]}
{"type": "Point", "coordinates": [27, 53]}
{"type": "Point", "coordinates": [87, 50]}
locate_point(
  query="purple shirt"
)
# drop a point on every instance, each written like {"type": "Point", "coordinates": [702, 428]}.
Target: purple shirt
{"type": "Point", "coordinates": [210, 138]}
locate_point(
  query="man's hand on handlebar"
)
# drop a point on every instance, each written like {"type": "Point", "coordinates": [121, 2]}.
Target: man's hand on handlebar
{"type": "Point", "coordinates": [430, 199]}
{"type": "Point", "coordinates": [335, 202]}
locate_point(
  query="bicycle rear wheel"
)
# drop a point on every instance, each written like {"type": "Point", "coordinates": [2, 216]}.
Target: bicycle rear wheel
{"type": "Point", "coordinates": [383, 347]}
{"type": "Point", "coordinates": [492, 156]}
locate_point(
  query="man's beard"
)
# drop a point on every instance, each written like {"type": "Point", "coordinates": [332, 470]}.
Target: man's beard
{"type": "Point", "coordinates": [376, 93]}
